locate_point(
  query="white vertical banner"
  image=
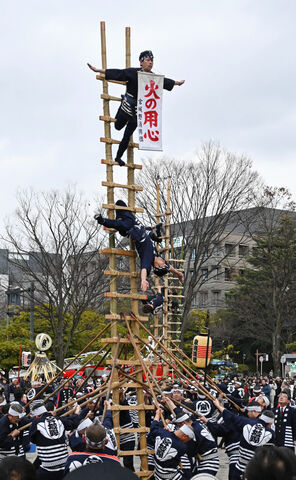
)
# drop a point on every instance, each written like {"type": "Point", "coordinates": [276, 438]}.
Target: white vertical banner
{"type": "Point", "coordinates": [149, 111]}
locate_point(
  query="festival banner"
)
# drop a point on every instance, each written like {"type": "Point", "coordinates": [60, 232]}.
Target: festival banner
{"type": "Point", "coordinates": [149, 111]}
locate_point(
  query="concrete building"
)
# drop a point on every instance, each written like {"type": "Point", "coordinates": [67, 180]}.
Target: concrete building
{"type": "Point", "coordinates": [222, 256]}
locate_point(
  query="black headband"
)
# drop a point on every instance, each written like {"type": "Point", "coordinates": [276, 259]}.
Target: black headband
{"type": "Point", "coordinates": [147, 54]}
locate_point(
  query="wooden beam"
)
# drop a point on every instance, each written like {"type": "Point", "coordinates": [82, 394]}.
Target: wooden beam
{"type": "Point", "coordinates": [115, 316]}
{"type": "Point", "coordinates": [114, 340]}
{"type": "Point", "coordinates": [131, 430]}
{"type": "Point", "coordinates": [135, 188]}
{"type": "Point", "coordinates": [142, 406]}
{"type": "Point", "coordinates": [107, 118]}
{"type": "Point", "coordinates": [117, 251]}
{"type": "Point", "coordinates": [128, 165]}
{"type": "Point", "coordinates": [113, 273]}
{"type": "Point", "coordinates": [134, 296]}
{"type": "Point", "coordinates": [112, 206]}
{"type": "Point", "coordinates": [106, 96]}
{"type": "Point", "coordinates": [117, 142]}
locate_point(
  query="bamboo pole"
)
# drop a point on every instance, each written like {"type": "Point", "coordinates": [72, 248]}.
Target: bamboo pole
{"type": "Point", "coordinates": [198, 386]}
{"type": "Point", "coordinates": [208, 378]}
{"type": "Point", "coordinates": [69, 378]}
{"type": "Point", "coordinates": [111, 376]}
{"type": "Point", "coordinates": [145, 369]}
{"type": "Point", "coordinates": [145, 387]}
{"type": "Point", "coordinates": [93, 369]}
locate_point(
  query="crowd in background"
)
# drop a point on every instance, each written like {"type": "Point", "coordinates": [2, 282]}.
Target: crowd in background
{"type": "Point", "coordinates": [252, 417]}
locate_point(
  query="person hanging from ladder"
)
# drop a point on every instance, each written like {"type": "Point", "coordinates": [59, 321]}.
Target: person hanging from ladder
{"type": "Point", "coordinates": [126, 115]}
{"type": "Point", "coordinates": [128, 226]}
{"type": "Point", "coordinates": [154, 303]}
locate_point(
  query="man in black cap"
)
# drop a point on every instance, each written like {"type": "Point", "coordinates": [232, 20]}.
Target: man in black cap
{"type": "Point", "coordinates": [128, 226]}
{"type": "Point", "coordinates": [127, 112]}
{"type": "Point", "coordinates": [285, 421]}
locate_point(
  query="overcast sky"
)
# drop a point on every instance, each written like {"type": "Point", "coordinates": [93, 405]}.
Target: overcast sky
{"type": "Point", "coordinates": [237, 57]}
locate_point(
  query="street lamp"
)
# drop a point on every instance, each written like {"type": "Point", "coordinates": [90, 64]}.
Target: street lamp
{"type": "Point", "coordinates": [14, 293]}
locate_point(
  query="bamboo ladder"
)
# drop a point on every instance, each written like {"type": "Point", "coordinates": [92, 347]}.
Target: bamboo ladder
{"type": "Point", "coordinates": [170, 321]}
{"type": "Point", "coordinates": [114, 317]}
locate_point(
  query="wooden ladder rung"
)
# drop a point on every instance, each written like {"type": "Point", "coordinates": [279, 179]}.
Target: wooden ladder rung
{"type": "Point", "coordinates": [145, 473]}
{"type": "Point", "coordinates": [141, 406]}
{"type": "Point", "coordinates": [102, 77]}
{"type": "Point", "coordinates": [113, 141]}
{"type": "Point", "coordinates": [121, 453]}
{"type": "Point", "coordinates": [115, 340]}
{"type": "Point", "coordinates": [130, 385]}
{"type": "Point", "coordinates": [114, 273]}
{"type": "Point", "coordinates": [134, 296]}
{"type": "Point", "coordinates": [117, 251]}
{"type": "Point", "coordinates": [106, 96]}
{"type": "Point", "coordinates": [112, 206]}
{"type": "Point", "coordinates": [162, 215]}
{"type": "Point", "coordinates": [116, 316]}
{"type": "Point", "coordinates": [135, 188]}
{"type": "Point", "coordinates": [176, 296]}
{"type": "Point", "coordinates": [131, 430]}
{"type": "Point", "coordinates": [177, 260]}
{"type": "Point", "coordinates": [128, 165]}
{"type": "Point", "coordinates": [106, 118]}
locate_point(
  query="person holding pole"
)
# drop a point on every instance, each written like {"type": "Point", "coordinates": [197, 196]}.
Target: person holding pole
{"type": "Point", "coordinates": [126, 115]}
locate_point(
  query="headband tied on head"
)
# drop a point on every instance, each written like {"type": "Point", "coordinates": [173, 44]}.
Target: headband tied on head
{"type": "Point", "coordinates": [14, 410]}
{"type": "Point", "coordinates": [95, 444]}
{"type": "Point", "coordinates": [182, 418]}
{"type": "Point", "coordinates": [188, 431]}
{"type": "Point", "coordinates": [146, 54]}
{"type": "Point", "coordinates": [254, 408]}
{"type": "Point", "coordinates": [267, 418]}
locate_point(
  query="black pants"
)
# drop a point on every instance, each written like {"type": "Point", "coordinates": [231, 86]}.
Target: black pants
{"type": "Point", "coordinates": [128, 460]}
{"type": "Point", "coordinates": [42, 474]}
{"type": "Point", "coordinates": [123, 119]}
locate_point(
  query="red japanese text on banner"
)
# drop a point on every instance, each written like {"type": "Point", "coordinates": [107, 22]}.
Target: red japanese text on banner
{"type": "Point", "coordinates": [149, 110]}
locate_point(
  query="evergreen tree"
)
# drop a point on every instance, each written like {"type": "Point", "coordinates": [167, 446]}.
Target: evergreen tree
{"type": "Point", "coordinates": [263, 304]}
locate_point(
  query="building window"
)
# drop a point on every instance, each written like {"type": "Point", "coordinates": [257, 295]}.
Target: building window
{"type": "Point", "coordinates": [203, 296]}
{"type": "Point", "coordinates": [227, 275]}
{"type": "Point", "coordinates": [177, 242]}
{"type": "Point", "coordinates": [215, 273]}
{"type": "Point", "coordinates": [243, 250]}
{"type": "Point", "coordinates": [193, 254]}
{"type": "Point", "coordinates": [216, 297]}
{"type": "Point", "coordinates": [195, 301]}
{"type": "Point", "coordinates": [229, 249]}
{"type": "Point", "coordinates": [18, 256]}
{"type": "Point", "coordinates": [216, 250]}
{"type": "Point", "coordinates": [204, 274]}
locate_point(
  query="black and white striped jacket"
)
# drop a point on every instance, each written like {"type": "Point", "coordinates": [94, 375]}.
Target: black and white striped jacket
{"type": "Point", "coordinates": [13, 446]}
{"type": "Point", "coordinates": [48, 433]}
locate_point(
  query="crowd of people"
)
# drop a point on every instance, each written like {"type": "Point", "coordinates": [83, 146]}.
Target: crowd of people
{"type": "Point", "coordinates": [252, 418]}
